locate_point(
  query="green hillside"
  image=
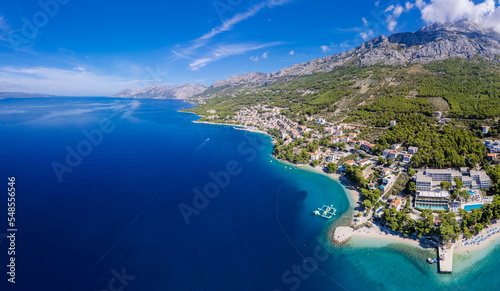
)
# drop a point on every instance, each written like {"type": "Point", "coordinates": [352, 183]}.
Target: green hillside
{"type": "Point", "coordinates": [461, 88]}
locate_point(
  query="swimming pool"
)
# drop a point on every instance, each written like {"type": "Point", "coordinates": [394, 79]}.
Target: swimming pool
{"type": "Point", "coordinates": [474, 206]}
{"type": "Point", "coordinates": [432, 207]}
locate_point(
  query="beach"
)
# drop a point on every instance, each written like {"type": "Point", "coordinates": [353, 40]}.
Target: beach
{"type": "Point", "coordinates": [493, 239]}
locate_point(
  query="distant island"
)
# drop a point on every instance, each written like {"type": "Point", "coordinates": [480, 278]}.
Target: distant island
{"type": "Point", "coordinates": [23, 95]}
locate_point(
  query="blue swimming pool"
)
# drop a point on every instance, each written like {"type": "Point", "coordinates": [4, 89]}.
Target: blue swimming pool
{"type": "Point", "coordinates": [474, 206]}
{"type": "Point", "coordinates": [432, 207]}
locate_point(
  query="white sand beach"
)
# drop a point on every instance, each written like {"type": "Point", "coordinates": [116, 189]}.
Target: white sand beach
{"type": "Point", "coordinates": [379, 236]}
{"type": "Point", "coordinates": [489, 236]}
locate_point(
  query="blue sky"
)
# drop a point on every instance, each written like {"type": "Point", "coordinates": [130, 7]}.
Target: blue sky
{"type": "Point", "coordinates": [97, 48]}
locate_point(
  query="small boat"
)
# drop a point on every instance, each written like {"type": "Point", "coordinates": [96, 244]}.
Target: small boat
{"type": "Point", "coordinates": [432, 261]}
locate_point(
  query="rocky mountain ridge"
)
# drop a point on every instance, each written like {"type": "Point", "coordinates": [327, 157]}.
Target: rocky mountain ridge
{"type": "Point", "coordinates": [163, 92]}
{"type": "Point", "coordinates": [431, 43]}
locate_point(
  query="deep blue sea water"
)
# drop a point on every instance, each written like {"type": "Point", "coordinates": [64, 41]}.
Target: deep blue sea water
{"type": "Point", "coordinates": [111, 218]}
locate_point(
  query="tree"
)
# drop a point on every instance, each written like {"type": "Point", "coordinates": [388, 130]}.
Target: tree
{"type": "Point", "coordinates": [367, 204]}
{"type": "Point", "coordinates": [412, 187]}
{"type": "Point", "coordinates": [445, 185]}
{"type": "Point", "coordinates": [381, 161]}
{"type": "Point", "coordinates": [331, 168]}
{"type": "Point", "coordinates": [411, 172]}
{"type": "Point", "coordinates": [313, 146]}
{"type": "Point", "coordinates": [478, 228]}
{"type": "Point", "coordinates": [459, 183]}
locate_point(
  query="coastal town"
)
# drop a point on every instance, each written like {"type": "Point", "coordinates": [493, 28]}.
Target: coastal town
{"type": "Point", "coordinates": [391, 197]}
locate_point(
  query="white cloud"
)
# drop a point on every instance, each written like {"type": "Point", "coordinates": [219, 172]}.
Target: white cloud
{"type": "Point", "coordinates": [325, 48]}
{"type": "Point", "coordinates": [264, 55]}
{"type": "Point", "coordinates": [63, 82]}
{"type": "Point", "coordinates": [365, 22]}
{"type": "Point", "coordinates": [224, 51]}
{"type": "Point", "coordinates": [420, 4]}
{"type": "Point", "coordinates": [393, 13]}
{"type": "Point", "coordinates": [377, 3]}
{"type": "Point", "coordinates": [409, 6]}
{"type": "Point", "coordinates": [366, 34]}
{"type": "Point", "coordinates": [292, 52]}
{"type": "Point", "coordinates": [453, 10]}
{"type": "Point", "coordinates": [391, 25]}
{"type": "Point", "coordinates": [227, 25]}
{"type": "Point", "coordinates": [256, 58]}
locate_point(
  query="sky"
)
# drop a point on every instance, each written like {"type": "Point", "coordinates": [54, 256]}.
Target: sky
{"type": "Point", "coordinates": [98, 48]}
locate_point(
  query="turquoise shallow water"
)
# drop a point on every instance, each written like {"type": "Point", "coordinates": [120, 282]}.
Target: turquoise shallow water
{"type": "Point", "coordinates": [120, 208]}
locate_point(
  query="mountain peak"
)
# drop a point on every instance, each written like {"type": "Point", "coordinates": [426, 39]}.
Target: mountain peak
{"type": "Point", "coordinates": [163, 92]}
{"type": "Point", "coordinates": [434, 42]}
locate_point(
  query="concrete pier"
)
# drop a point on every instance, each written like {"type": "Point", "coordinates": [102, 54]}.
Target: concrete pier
{"type": "Point", "coordinates": [342, 234]}
{"type": "Point", "coordinates": [445, 256]}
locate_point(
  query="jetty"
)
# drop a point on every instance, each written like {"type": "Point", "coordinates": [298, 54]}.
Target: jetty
{"type": "Point", "coordinates": [342, 234]}
{"type": "Point", "coordinates": [445, 259]}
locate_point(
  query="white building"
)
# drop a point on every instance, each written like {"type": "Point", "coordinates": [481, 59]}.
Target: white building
{"type": "Point", "coordinates": [423, 182]}
{"type": "Point", "coordinates": [393, 154]}
{"type": "Point", "coordinates": [385, 153]}
{"type": "Point", "coordinates": [481, 179]}
{"type": "Point", "coordinates": [438, 199]}
{"type": "Point", "coordinates": [412, 150]}
{"type": "Point", "coordinates": [485, 129]}
{"type": "Point", "coordinates": [432, 178]}
{"type": "Point", "coordinates": [388, 179]}
{"type": "Point", "coordinates": [395, 146]}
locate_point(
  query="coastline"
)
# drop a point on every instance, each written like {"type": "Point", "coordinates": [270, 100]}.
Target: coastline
{"type": "Point", "coordinates": [493, 240]}
{"type": "Point", "coordinates": [355, 193]}
{"type": "Point", "coordinates": [377, 236]}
